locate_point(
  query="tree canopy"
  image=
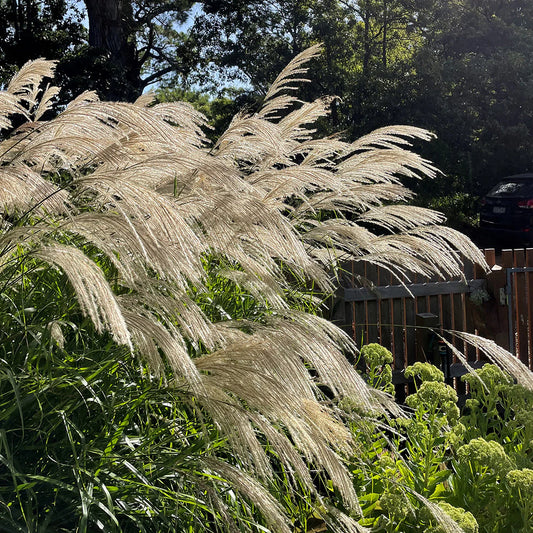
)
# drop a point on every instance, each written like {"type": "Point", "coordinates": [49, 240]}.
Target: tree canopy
{"type": "Point", "coordinates": [115, 47]}
{"type": "Point", "coordinates": [461, 68]}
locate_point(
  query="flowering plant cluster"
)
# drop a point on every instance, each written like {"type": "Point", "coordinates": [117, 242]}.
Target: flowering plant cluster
{"type": "Point", "coordinates": [378, 366]}
{"type": "Point", "coordinates": [440, 468]}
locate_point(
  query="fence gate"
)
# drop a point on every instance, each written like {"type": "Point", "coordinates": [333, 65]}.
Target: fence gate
{"type": "Point", "coordinates": [497, 305]}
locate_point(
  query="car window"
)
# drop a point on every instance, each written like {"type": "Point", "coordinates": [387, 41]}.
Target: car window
{"type": "Point", "coordinates": [513, 188]}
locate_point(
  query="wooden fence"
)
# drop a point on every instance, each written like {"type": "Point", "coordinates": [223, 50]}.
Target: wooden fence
{"type": "Point", "coordinates": [373, 306]}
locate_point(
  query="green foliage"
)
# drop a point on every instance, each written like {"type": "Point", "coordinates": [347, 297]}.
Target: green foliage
{"type": "Point", "coordinates": [520, 483]}
{"type": "Point", "coordinates": [90, 439]}
{"type": "Point", "coordinates": [115, 48]}
{"type": "Point", "coordinates": [29, 30]}
{"type": "Point", "coordinates": [435, 397]}
{"type": "Point", "coordinates": [460, 209]}
{"type": "Point", "coordinates": [487, 456]}
{"type": "Point", "coordinates": [88, 443]}
{"type": "Point", "coordinates": [379, 372]}
{"type": "Point", "coordinates": [477, 468]}
{"type": "Point", "coordinates": [462, 70]}
{"type": "Point", "coordinates": [492, 405]}
{"type": "Point", "coordinates": [498, 430]}
{"type": "Point", "coordinates": [252, 41]}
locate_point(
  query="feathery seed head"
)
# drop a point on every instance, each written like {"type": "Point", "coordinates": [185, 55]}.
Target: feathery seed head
{"type": "Point", "coordinates": [132, 200]}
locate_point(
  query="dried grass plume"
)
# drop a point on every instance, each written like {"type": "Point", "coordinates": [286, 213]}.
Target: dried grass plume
{"type": "Point", "coordinates": [142, 188]}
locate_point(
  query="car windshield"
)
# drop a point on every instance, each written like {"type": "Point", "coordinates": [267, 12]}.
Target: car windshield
{"type": "Point", "coordinates": [513, 188]}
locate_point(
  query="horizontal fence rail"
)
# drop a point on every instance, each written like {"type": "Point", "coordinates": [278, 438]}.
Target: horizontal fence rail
{"type": "Point", "coordinates": [390, 292]}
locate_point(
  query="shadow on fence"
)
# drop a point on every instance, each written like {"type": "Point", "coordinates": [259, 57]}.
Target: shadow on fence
{"type": "Point", "coordinates": [373, 306]}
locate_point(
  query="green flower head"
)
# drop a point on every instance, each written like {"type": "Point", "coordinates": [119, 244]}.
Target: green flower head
{"type": "Point", "coordinates": [417, 428]}
{"type": "Point", "coordinates": [456, 434]}
{"type": "Point", "coordinates": [451, 411]}
{"type": "Point", "coordinates": [396, 505]}
{"type": "Point", "coordinates": [464, 519]}
{"type": "Point", "coordinates": [489, 454]}
{"type": "Point", "coordinates": [376, 355]}
{"type": "Point", "coordinates": [472, 404]}
{"type": "Point", "coordinates": [425, 372]}
{"type": "Point", "coordinates": [521, 480]}
{"type": "Point", "coordinates": [492, 376]}
{"type": "Point", "coordinates": [520, 398]}
{"type": "Point", "coordinates": [525, 418]}
{"type": "Point", "coordinates": [386, 462]}
{"type": "Point", "coordinates": [433, 395]}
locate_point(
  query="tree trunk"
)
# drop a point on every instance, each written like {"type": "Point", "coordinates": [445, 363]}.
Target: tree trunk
{"type": "Point", "coordinates": [385, 28]}
{"type": "Point", "coordinates": [108, 33]}
{"type": "Point", "coordinates": [366, 44]}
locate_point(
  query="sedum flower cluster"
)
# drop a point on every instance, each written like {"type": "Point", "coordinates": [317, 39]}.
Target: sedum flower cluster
{"type": "Point", "coordinates": [488, 378]}
{"type": "Point", "coordinates": [521, 480]}
{"type": "Point", "coordinates": [477, 465]}
{"type": "Point", "coordinates": [378, 361]}
{"type": "Point", "coordinates": [376, 355]}
{"type": "Point", "coordinates": [486, 455]}
{"type": "Point", "coordinates": [424, 371]}
{"type": "Point", "coordinates": [397, 505]}
{"type": "Point", "coordinates": [433, 396]}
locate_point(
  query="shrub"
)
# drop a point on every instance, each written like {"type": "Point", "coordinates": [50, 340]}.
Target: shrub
{"type": "Point", "coordinates": [476, 469]}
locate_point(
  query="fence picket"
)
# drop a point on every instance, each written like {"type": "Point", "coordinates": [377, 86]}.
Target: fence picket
{"type": "Point", "coordinates": [529, 297]}
{"type": "Point", "coordinates": [520, 305]}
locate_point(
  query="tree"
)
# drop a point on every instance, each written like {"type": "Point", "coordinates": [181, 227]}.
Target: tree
{"type": "Point", "coordinates": [128, 45]}
{"type": "Point", "coordinates": [474, 75]}
{"type": "Point", "coordinates": [139, 42]}
{"type": "Point", "coordinates": [251, 40]}
{"type": "Point", "coordinates": [29, 30]}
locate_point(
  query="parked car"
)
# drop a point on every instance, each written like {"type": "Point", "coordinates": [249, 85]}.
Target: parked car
{"type": "Point", "coordinates": [507, 211]}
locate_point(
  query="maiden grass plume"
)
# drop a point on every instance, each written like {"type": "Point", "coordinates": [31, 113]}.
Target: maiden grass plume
{"type": "Point", "coordinates": [464, 519]}
{"type": "Point", "coordinates": [135, 225]}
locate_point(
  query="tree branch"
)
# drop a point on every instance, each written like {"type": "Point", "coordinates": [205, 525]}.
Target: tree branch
{"type": "Point", "coordinates": [159, 74]}
{"type": "Point", "coordinates": [148, 48]}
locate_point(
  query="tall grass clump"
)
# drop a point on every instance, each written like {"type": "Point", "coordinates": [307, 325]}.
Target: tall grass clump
{"type": "Point", "coordinates": [162, 364]}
